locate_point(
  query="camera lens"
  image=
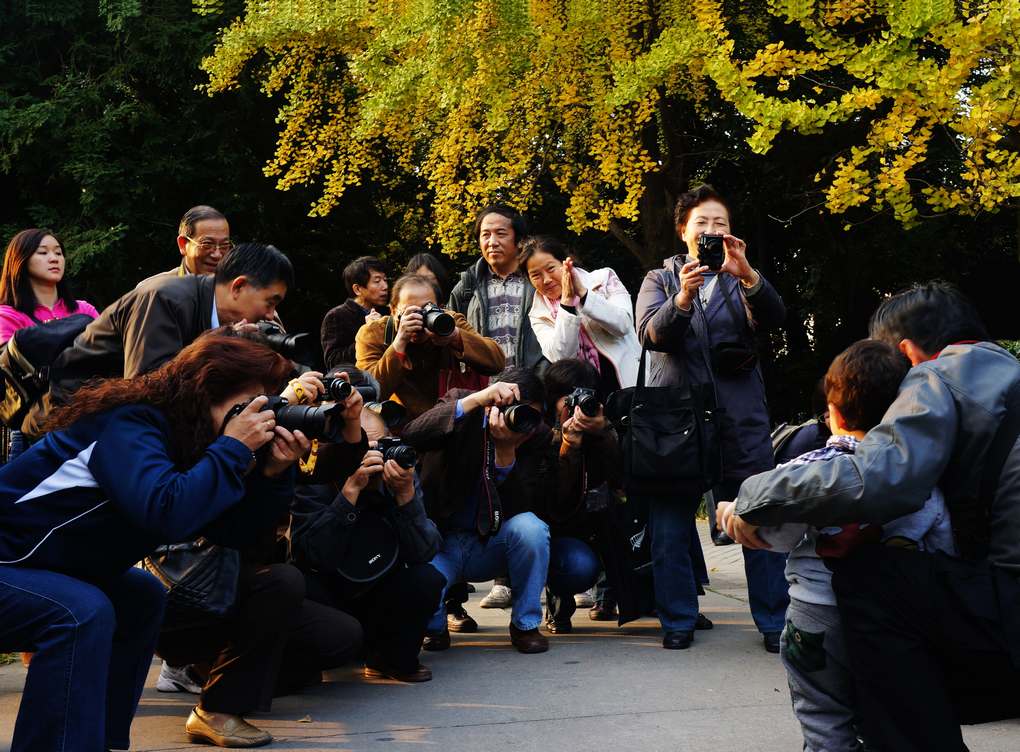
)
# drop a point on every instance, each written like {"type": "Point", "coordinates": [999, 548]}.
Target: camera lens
{"type": "Point", "coordinates": [438, 321]}
{"type": "Point", "coordinates": [318, 422]}
{"type": "Point", "coordinates": [521, 418]}
{"type": "Point", "coordinates": [589, 404]}
{"type": "Point", "coordinates": [402, 454]}
{"type": "Point", "coordinates": [338, 389]}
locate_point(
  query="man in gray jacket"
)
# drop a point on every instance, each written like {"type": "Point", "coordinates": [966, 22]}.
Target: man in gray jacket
{"type": "Point", "coordinates": [934, 641]}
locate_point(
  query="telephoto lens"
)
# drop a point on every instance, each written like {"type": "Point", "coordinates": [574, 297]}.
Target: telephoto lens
{"type": "Point", "coordinates": [584, 399]}
{"type": "Point", "coordinates": [521, 418]}
{"type": "Point", "coordinates": [322, 422]}
{"type": "Point", "coordinates": [296, 347]}
{"type": "Point", "coordinates": [394, 449]}
{"type": "Point", "coordinates": [438, 321]}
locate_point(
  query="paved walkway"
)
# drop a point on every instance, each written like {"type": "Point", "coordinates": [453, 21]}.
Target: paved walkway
{"type": "Point", "coordinates": [600, 688]}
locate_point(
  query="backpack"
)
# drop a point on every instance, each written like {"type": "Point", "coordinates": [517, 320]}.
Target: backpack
{"type": "Point", "coordinates": [25, 364]}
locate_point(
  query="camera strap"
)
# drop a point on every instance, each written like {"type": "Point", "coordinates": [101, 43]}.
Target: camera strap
{"type": "Point", "coordinates": [490, 512]}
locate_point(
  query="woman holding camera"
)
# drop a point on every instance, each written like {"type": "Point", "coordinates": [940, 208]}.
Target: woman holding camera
{"type": "Point", "coordinates": [131, 464]}
{"type": "Point", "coordinates": [698, 316]}
{"type": "Point", "coordinates": [580, 314]}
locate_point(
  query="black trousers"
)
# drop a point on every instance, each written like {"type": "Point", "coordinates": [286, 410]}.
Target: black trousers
{"type": "Point", "coordinates": [393, 613]}
{"type": "Point", "coordinates": [929, 639]}
{"type": "Point", "coordinates": [275, 642]}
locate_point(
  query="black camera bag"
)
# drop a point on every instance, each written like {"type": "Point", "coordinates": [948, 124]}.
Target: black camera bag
{"type": "Point", "coordinates": [200, 579]}
{"type": "Point", "coordinates": [25, 363]}
{"type": "Point", "coordinates": [670, 437]}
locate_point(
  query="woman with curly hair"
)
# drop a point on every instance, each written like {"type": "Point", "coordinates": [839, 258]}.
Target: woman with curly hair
{"type": "Point", "coordinates": [131, 464]}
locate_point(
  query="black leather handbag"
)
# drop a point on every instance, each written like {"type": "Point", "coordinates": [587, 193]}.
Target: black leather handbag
{"type": "Point", "coordinates": [669, 437]}
{"type": "Point", "coordinates": [200, 579]}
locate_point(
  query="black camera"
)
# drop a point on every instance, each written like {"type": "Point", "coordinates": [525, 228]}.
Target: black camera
{"type": "Point", "coordinates": [437, 321]}
{"type": "Point", "coordinates": [297, 347]}
{"type": "Point", "coordinates": [711, 251]}
{"type": "Point", "coordinates": [339, 390]}
{"type": "Point", "coordinates": [322, 422]}
{"type": "Point", "coordinates": [584, 399]}
{"type": "Point", "coordinates": [392, 413]}
{"type": "Point", "coordinates": [394, 449]}
{"type": "Point", "coordinates": [521, 418]}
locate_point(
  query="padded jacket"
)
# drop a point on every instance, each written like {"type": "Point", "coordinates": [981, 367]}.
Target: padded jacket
{"type": "Point", "coordinates": [936, 433]}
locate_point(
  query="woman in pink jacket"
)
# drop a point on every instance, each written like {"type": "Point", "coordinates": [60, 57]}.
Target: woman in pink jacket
{"type": "Point", "coordinates": [33, 290]}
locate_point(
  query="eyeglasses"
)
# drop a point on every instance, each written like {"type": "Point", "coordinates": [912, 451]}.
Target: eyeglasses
{"type": "Point", "coordinates": [208, 246]}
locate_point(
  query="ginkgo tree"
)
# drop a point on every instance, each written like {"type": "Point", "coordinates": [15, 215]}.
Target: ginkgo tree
{"type": "Point", "coordinates": [496, 99]}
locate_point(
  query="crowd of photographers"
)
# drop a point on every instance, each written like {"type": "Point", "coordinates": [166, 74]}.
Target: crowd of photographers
{"type": "Point", "coordinates": [292, 520]}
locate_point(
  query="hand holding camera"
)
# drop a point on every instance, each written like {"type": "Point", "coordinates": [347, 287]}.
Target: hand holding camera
{"type": "Point", "coordinates": [498, 394]}
{"type": "Point", "coordinates": [286, 449]}
{"type": "Point", "coordinates": [371, 465]}
{"type": "Point", "coordinates": [736, 261]}
{"type": "Point", "coordinates": [586, 410]}
{"type": "Point", "coordinates": [306, 389]}
{"type": "Point", "coordinates": [400, 480]}
{"type": "Point", "coordinates": [691, 280]}
{"type": "Point", "coordinates": [253, 425]}
{"type": "Point", "coordinates": [509, 430]}
{"type": "Point", "coordinates": [410, 325]}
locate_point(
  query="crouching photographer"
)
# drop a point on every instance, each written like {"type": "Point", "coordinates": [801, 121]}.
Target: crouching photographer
{"type": "Point", "coordinates": [584, 472]}
{"type": "Point", "coordinates": [273, 640]}
{"type": "Point", "coordinates": [129, 465]}
{"type": "Point", "coordinates": [483, 453]}
{"type": "Point", "coordinates": [365, 543]}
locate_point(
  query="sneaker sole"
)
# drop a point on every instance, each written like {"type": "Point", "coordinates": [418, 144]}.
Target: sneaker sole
{"type": "Point", "coordinates": [177, 688]}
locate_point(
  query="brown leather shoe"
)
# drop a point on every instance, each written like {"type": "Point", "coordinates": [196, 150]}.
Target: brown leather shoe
{"type": "Point", "coordinates": [528, 641]}
{"type": "Point", "coordinates": [381, 671]}
{"type": "Point", "coordinates": [224, 730]}
{"type": "Point", "coordinates": [459, 620]}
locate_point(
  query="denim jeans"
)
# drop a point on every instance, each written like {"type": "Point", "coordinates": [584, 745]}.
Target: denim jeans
{"type": "Point", "coordinates": [573, 568]}
{"type": "Point", "coordinates": [520, 548]}
{"type": "Point", "coordinates": [93, 645]}
{"type": "Point", "coordinates": [678, 564]}
{"type": "Point", "coordinates": [767, 589]}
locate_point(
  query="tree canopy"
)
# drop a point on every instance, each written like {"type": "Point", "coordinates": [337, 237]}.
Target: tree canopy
{"type": "Point", "coordinates": [494, 99]}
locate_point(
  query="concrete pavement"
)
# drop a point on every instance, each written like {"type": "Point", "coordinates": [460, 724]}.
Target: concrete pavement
{"type": "Point", "coordinates": [600, 688]}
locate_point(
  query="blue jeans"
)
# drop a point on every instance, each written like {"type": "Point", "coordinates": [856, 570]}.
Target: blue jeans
{"type": "Point", "coordinates": [767, 589]}
{"type": "Point", "coordinates": [93, 645]}
{"type": "Point", "coordinates": [573, 568]}
{"type": "Point", "coordinates": [521, 547]}
{"type": "Point", "coordinates": [678, 564]}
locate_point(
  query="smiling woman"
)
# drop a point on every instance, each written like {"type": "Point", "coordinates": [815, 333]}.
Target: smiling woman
{"type": "Point", "coordinates": [581, 314]}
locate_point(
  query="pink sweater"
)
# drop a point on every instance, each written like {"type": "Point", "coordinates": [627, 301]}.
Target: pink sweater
{"type": "Point", "coordinates": [12, 319]}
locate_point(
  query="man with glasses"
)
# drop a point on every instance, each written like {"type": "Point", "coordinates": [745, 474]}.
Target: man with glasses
{"type": "Point", "coordinates": [203, 239]}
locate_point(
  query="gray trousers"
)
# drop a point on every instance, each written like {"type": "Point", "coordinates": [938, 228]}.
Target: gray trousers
{"type": "Point", "coordinates": [821, 686]}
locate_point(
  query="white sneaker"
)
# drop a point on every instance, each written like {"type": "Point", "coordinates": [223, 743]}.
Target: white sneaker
{"type": "Point", "coordinates": [177, 680]}
{"type": "Point", "coordinates": [584, 600]}
{"type": "Point", "coordinates": [498, 597]}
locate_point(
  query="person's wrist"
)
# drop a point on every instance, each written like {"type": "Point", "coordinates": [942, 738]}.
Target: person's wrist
{"type": "Point", "coordinates": [350, 492]}
{"type": "Point", "coordinates": [505, 455]}
{"type": "Point", "coordinates": [683, 300]}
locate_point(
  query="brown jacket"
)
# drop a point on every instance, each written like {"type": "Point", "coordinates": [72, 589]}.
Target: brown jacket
{"type": "Point", "coordinates": [413, 379]}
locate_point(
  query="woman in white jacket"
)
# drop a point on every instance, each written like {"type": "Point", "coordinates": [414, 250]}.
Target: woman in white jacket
{"type": "Point", "coordinates": [580, 314]}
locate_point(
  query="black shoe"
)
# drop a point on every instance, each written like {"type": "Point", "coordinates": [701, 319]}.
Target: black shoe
{"type": "Point", "coordinates": [703, 622]}
{"type": "Point", "coordinates": [677, 640]}
{"type": "Point", "coordinates": [436, 641]}
{"type": "Point", "coordinates": [470, 588]}
{"type": "Point", "coordinates": [771, 640]}
{"type": "Point", "coordinates": [719, 538]}
{"type": "Point", "coordinates": [559, 627]}
{"type": "Point", "coordinates": [458, 620]}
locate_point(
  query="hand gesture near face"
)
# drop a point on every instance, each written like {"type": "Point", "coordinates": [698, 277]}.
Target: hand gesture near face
{"type": "Point", "coordinates": [370, 467]}
{"type": "Point", "coordinates": [287, 448]}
